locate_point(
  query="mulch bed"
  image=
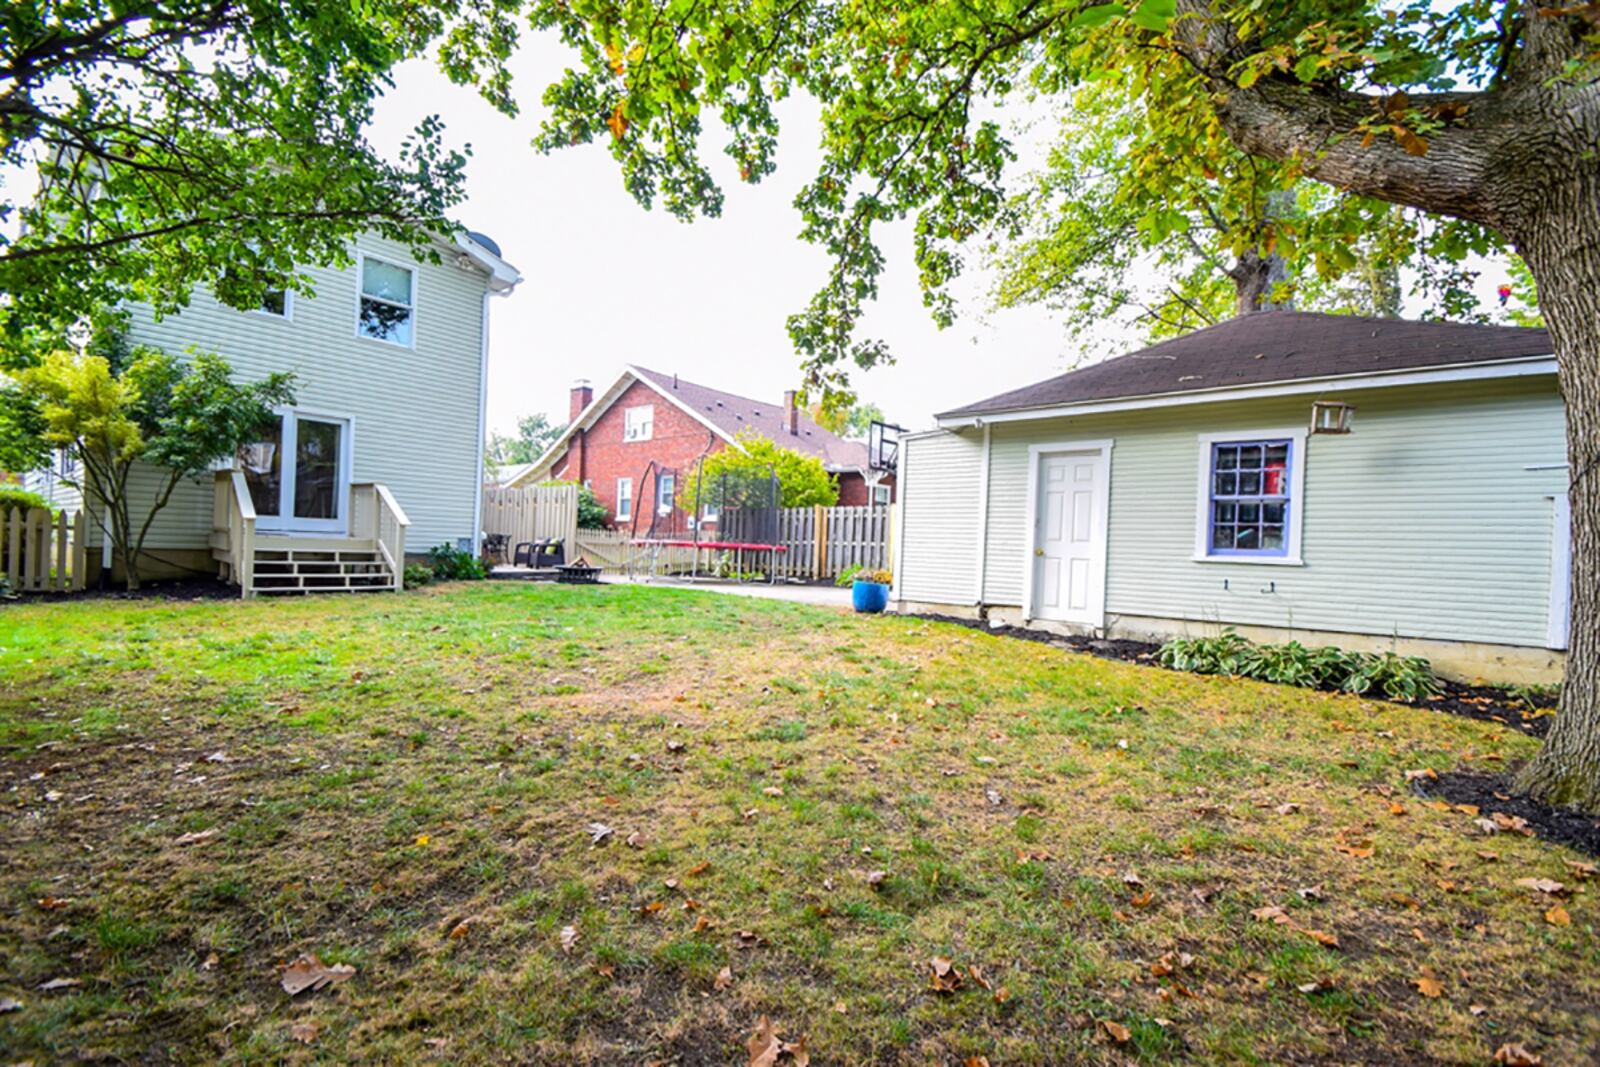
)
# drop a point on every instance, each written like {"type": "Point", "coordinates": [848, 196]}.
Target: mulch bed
{"type": "Point", "coordinates": [1492, 793]}
{"type": "Point", "coordinates": [177, 589]}
{"type": "Point", "coordinates": [1530, 713]}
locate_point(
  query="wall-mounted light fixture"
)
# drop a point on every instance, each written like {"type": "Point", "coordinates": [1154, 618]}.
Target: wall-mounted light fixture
{"type": "Point", "coordinates": [1330, 416]}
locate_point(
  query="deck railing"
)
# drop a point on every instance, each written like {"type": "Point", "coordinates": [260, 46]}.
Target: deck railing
{"type": "Point", "coordinates": [233, 529]}
{"type": "Point", "coordinates": [376, 515]}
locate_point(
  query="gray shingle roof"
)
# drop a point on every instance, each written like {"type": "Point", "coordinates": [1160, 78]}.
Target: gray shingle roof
{"type": "Point", "coordinates": [1271, 347]}
{"type": "Point", "coordinates": [732, 413]}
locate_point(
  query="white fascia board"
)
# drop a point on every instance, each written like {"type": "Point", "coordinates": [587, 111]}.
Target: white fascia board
{"type": "Point", "coordinates": [1467, 372]}
{"type": "Point", "coordinates": [503, 277]}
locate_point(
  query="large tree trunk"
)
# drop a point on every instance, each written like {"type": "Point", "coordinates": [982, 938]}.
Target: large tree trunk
{"type": "Point", "coordinates": [1563, 251]}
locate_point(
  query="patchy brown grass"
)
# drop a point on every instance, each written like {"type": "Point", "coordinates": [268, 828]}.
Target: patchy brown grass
{"type": "Point", "coordinates": [403, 784]}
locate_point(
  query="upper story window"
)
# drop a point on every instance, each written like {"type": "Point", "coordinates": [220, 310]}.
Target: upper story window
{"type": "Point", "coordinates": [638, 423]}
{"type": "Point", "coordinates": [275, 302]}
{"type": "Point", "coordinates": [388, 302]}
{"type": "Point", "coordinates": [1250, 504]}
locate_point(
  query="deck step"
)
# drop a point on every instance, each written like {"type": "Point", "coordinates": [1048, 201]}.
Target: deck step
{"type": "Point", "coordinates": [299, 565]}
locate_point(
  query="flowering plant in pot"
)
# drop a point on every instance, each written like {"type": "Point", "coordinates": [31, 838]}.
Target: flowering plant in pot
{"type": "Point", "coordinates": [869, 591]}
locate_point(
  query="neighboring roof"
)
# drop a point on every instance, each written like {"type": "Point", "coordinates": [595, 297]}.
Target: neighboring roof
{"type": "Point", "coordinates": [724, 414]}
{"type": "Point", "coordinates": [509, 475]}
{"type": "Point", "coordinates": [1271, 347]}
{"type": "Point", "coordinates": [732, 414]}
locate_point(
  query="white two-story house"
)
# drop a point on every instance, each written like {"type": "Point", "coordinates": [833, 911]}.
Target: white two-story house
{"type": "Point", "coordinates": [381, 454]}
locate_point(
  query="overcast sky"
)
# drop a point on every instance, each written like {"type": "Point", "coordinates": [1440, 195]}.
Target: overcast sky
{"type": "Point", "coordinates": [607, 283]}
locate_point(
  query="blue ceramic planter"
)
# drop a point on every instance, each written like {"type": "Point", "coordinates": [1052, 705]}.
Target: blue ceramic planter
{"type": "Point", "coordinates": [869, 597]}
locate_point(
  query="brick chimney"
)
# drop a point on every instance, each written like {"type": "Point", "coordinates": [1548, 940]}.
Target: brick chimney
{"type": "Point", "coordinates": [791, 414]}
{"type": "Point", "coordinates": [582, 395]}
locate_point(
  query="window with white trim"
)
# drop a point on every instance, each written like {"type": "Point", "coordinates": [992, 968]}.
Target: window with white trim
{"type": "Point", "coordinates": [276, 303]}
{"type": "Point", "coordinates": [1251, 506]}
{"type": "Point", "coordinates": [387, 309]}
{"type": "Point", "coordinates": [880, 495]}
{"type": "Point", "coordinates": [638, 423]}
{"type": "Point", "coordinates": [624, 499]}
{"type": "Point", "coordinates": [664, 491]}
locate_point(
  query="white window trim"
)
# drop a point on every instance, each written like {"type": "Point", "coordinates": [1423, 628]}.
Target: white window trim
{"type": "Point", "coordinates": [1296, 435]}
{"type": "Point", "coordinates": [1095, 616]}
{"type": "Point", "coordinates": [338, 526]}
{"type": "Point", "coordinates": [288, 306]}
{"type": "Point", "coordinates": [664, 507]}
{"type": "Point", "coordinates": [628, 423]}
{"type": "Point", "coordinates": [416, 299]}
{"type": "Point", "coordinates": [884, 489]}
{"type": "Point", "coordinates": [624, 516]}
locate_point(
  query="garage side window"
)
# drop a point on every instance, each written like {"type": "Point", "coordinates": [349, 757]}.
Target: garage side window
{"type": "Point", "coordinates": [1250, 490]}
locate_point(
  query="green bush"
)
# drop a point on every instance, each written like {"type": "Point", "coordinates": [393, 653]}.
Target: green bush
{"type": "Point", "coordinates": [451, 564]}
{"type": "Point", "coordinates": [848, 575]}
{"type": "Point", "coordinates": [14, 496]}
{"type": "Point", "coordinates": [592, 514]}
{"type": "Point", "coordinates": [1225, 653]}
{"type": "Point", "coordinates": [1395, 677]}
{"type": "Point", "coordinates": [417, 574]}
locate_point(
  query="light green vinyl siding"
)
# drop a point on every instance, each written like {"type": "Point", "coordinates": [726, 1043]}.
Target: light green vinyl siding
{"type": "Point", "coordinates": [1425, 522]}
{"type": "Point", "coordinates": [940, 478]}
{"type": "Point", "coordinates": [414, 411]}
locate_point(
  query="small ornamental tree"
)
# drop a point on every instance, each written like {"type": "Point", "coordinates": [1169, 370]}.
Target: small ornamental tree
{"type": "Point", "coordinates": [802, 480]}
{"type": "Point", "coordinates": [176, 417]}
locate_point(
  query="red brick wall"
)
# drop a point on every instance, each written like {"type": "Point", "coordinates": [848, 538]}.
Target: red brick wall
{"type": "Point", "coordinates": [600, 456]}
{"type": "Point", "coordinates": [853, 490]}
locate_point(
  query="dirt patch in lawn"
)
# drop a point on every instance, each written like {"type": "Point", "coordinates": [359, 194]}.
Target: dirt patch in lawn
{"type": "Point", "coordinates": [1529, 711]}
{"type": "Point", "coordinates": [1495, 794]}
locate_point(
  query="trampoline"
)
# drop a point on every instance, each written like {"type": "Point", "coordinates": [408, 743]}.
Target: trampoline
{"type": "Point", "coordinates": [716, 525]}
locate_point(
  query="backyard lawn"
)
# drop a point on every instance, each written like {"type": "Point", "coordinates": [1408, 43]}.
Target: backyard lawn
{"type": "Point", "coordinates": [621, 824]}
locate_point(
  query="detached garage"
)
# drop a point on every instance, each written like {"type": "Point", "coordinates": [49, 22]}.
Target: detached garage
{"type": "Point", "coordinates": [1370, 483]}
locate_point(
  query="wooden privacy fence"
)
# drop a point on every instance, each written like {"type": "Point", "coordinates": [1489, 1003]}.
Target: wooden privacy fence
{"type": "Point", "coordinates": [40, 552]}
{"type": "Point", "coordinates": [534, 514]}
{"type": "Point", "coordinates": [821, 542]}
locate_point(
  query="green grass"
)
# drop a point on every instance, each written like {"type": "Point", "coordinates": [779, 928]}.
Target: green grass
{"type": "Point", "coordinates": [404, 783]}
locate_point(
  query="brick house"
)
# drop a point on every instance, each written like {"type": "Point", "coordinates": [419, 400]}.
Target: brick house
{"type": "Point", "coordinates": [646, 416]}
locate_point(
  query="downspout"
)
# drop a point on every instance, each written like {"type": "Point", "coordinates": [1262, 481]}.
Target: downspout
{"type": "Point", "coordinates": [983, 521]}
{"type": "Point", "coordinates": [483, 419]}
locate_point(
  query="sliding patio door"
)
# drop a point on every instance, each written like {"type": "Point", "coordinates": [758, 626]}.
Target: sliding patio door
{"type": "Point", "coordinates": [299, 474]}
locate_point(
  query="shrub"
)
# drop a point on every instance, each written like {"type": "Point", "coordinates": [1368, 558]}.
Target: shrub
{"type": "Point", "coordinates": [1397, 677]}
{"type": "Point", "coordinates": [848, 575]}
{"type": "Point", "coordinates": [1393, 676]}
{"type": "Point", "coordinates": [451, 564]}
{"type": "Point", "coordinates": [1222, 654]}
{"type": "Point", "coordinates": [417, 574]}
{"type": "Point", "coordinates": [14, 496]}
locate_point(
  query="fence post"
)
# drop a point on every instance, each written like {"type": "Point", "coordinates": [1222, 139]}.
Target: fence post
{"type": "Point", "coordinates": [80, 550]}
{"type": "Point", "coordinates": [820, 544]}
{"type": "Point", "coordinates": [13, 529]}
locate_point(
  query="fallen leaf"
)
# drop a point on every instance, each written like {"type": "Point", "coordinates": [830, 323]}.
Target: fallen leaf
{"type": "Point", "coordinates": [724, 978]}
{"type": "Point", "coordinates": [1309, 892]}
{"type": "Point", "coordinates": [1270, 914]}
{"type": "Point", "coordinates": [309, 972]}
{"type": "Point", "coordinates": [1517, 1056]}
{"type": "Point", "coordinates": [1478, 1009]}
{"type": "Point", "coordinates": [1116, 1031]}
{"type": "Point", "coordinates": [210, 962]}
{"type": "Point", "coordinates": [7, 1005]}
{"type": "Point", "coordinates": [464, 927]}
{"type": "Point", "coordinates": [977, 976]}
{"type": "Point", "coordinates": [766, 1047]}
{"type": "Point", "coordinates": [60, 983]}
{"type": "Point", "coordinates": [1287, 809]}
{"type": "Point", "coordinates": [697, 869]}
{"type": "Point", "coordinates": [975, 1061]}
{"type": "Point", "coordinates": [1319, 986]}
{"type": "Point", "coordinates": [1583, 871]}
{"type": "Point", "coordinates": [993, 797]}
{"type": "Point", "coordinates": [304, 1032]}
{"type": "Point", "coordinates": [1428, 986]}
{"type": "Point", "coordinates": [598, 832]}
{"type": "Point", "coordinates": [1542, 885]}
{"type": "Point", "coordinates": [54, 903]}
{"type": "Point", "coordinates": [773, 791]}
{"type": "Point", "coordinates": [1514, 823]}
{"type": "Point", "coordinates": [1426, 772]}
{"type": "Point", "coordinates": [945, 978]}
{"type": "Point", "coordinates": [674, 746]}
{"type": "Point", "coordinates": [569, 938]}
{"type": "Point", "coordinates": [1557, 916]}
{"type": "Point", "coordinates": [196, 837]}
{"type": "Point", "coordinates": [1131, 878]}
{"type": "Point", "coordinates": [635, 840]}
{"type": "Point", "coordinates": [1322, 938]}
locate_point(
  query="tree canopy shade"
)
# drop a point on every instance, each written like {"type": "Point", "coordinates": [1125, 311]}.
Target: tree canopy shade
{"type": "Point", "coordinates": [214, 143]}
{"type": "Point", "coordinates": [1485, 114]}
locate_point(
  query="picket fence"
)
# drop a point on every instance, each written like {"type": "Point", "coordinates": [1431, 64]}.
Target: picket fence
{"type": "Point", "coordinates": [41, 552]}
